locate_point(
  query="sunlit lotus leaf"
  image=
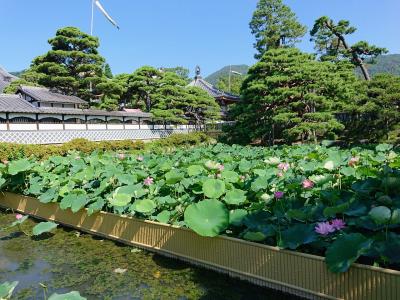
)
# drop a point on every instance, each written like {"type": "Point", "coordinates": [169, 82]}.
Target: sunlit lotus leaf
{"type": "Point", "coordinates": [43, 227]}
{"type": "Point", "coordinates": [213, 188]}
{"type": "Point", "coordinates": [207, 218]}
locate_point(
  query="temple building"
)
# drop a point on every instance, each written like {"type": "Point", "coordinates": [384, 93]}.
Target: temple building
{"type": "Point", "coordinates": [224, 99]}
{"type": "Point", "coordinates": [39, 115]}
{"type": "Point", "coordinates": [5, 79]}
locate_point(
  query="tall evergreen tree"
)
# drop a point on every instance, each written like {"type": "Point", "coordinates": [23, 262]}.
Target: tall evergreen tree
{"type": "Point", "coordinates": [107, 71]}
{"type": "Point", "coordinates": [73, 66]}
{"type": "Point", "coordinates": [376, 114]}
{"type": "Point", "coordinates": [234, 86]}
{"type": "Point", "coordinates": [274, 25]}
{"type": "Point", "coordinates": [167, 97]}
{"type": "Point", "coordinates": [289, 95]}
{"type": "Point", "coordinates": [331, 43]}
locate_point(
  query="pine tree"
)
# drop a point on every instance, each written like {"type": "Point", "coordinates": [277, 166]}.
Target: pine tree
{"type": "Point", "coordinates": [107, 71]}
{"type": "Point", "coordinates": [72, 66]}
{"type": "Point", "coordinates": [331, 44]}
{"type": "Point", "coordinates": [289, 95]}
{"type": "Point", "coordinates": [274, 25]}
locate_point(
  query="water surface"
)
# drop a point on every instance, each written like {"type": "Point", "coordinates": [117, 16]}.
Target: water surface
{"type": "Point", "coordinates": [101, 269]}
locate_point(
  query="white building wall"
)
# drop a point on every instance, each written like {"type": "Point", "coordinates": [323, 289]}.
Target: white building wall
{"type": "Point", "coordinates": [97, 126]}
{"type": "Point", "coordinates": [3, 126]}
{"type": "Point", "coordinates": [75, 126]}
{"type": "Point", "coordinates": [131, 127]}
{"type": "Point", "coordinates": [25, 127]}
{"type": "Point", "coordinates": [51, 126]}
{"type": "Point", "coordinates": [115, 126]}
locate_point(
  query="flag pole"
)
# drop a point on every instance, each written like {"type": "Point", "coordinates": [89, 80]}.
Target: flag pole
{"type": "Point", "coordinates": [91, 21]}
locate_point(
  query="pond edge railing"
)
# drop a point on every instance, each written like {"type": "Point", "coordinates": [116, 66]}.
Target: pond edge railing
{"type": "Point", "coordinates": [291, 272]}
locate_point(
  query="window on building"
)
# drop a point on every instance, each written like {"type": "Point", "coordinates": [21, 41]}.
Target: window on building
{"type": "Point", "coordinates": [50, 120]}
{"type": "Point", "coordinates": [22, 120]}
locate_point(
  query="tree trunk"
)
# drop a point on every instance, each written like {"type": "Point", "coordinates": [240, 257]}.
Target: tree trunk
{"type": "Point", "coordinates": [358, 60]}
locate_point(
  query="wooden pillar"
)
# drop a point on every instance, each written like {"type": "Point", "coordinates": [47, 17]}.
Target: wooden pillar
{"type": "Point", "coordinates": [123, 123]}
{"type": "Point", "coordinates": [63, 120]}
{"type": "Point", "coordinates": [8, 121]}
{"type": "Point", "coordinates": [165, 124]}
{"type": "Point", "coordinates": [86, 122]}
{"type": "Point", "coordinates": [37, 121]}
{"type": "Point", "coordinates": [139, 122]}
{"type": "Point", "coordinates": [106, 118]}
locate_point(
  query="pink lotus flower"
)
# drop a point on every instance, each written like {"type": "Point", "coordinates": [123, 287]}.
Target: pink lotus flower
{"type": "Point", "coordinates": [140, 158]}
{"type": "Point", "coordinates": [19, 216]}
{"type": "Point", "coordinates": [324, 228]}
{"type": "Point", "coordinates": [219, 175]}
{"type": "Point", "coordinates": [280, 174]}
{"type": "Point", "coordinates": [338, 224]}
{"type": "Point", "coordinates": [221, 167]}
{"type": "Point", "coordinates": [354, 161]}
{"type": "Point", "coordinates": [283, 166]}
{"type": "Point", "coordinates": [308, 184]}
{"type": "Point", "coordinates": [148, 181]}
{"type": "Point", "coordinates": [242, 178]}
{"type": "Point", "coordinates": [121, 156]}
{"type": "Point", "coordinates": [279, 195]}
{"type": "Point", "coordinates": [5, 161]}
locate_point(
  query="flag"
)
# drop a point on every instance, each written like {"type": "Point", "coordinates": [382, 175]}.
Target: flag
{"type": "Point", "coordinates": [97, 2]}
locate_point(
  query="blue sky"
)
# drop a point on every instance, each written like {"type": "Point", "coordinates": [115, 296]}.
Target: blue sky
{"type": "Point", "coordinates": [164, 33]}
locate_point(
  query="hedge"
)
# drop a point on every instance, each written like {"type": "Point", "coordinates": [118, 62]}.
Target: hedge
{"type": "Point", "coordinates": [11, 151]}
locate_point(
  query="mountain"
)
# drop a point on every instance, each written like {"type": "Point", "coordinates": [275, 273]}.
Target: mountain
{"type": "Point", "coordinates": [385, 64]}
{"type": "Point", "coordinates": [17, 73]}
{"type": "Point", "coordinates": [213, 78]}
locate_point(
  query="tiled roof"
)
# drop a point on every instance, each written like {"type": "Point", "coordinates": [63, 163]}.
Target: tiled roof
{"type": "Point", "coordinates": [14, 103]}
{"type": "Point", "coordinates": [5, 79]}
{"type": "Point", "coordinates": [212, 90]}
{"type": "Point", "coordinates": [42, 94]}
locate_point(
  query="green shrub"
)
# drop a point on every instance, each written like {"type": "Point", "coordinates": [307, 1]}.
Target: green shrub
{"type": "Point", "coordinates": [10, 151]}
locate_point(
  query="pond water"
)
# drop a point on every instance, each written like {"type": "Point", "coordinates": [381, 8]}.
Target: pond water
{"type": "Point", "coordinates": [101, 269]}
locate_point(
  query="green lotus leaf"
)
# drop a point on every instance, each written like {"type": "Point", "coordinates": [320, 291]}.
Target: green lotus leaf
{"type": "Point", "coordinates": [195, 170]}
{"type": "Point", "coordinates": [383, 147]}
{"type": "Point", "coordinates": [213, 188]}
{"type": "Point", "coordinates": [254, 236]}
{"type": "Point", "coordinates": [69, 296]}
{"type": "Point", "coordinates": [261, 183]}
{"type": "Point", "coordinates": [346, 250]}
{"type": "Point", "coordinates": [18, 166]}
{"type": "Point", "coordinates": [395, 219]}
{"type": "Point", "coordinates": [348, 171]}
{"type": "Point", "coordinates": [297, 235]}
{"type": "Point", "coordinates": [207, 218]}
{"type": "Point", "coordinates": [173, 177]}
{"type": "Point", "coordinates": [43, 227]}
{"type": "Point", "coordinates": [235, 197]}
{"type": "Point", "coordinates": [144, 206]}
{"type": "Point", "coordinates": [164, 216]}
{"type": "Point", "coordinates": [236, 217]}
{"type": "Point", "coordinates": [389, 249]}
{"type": "Point", "coordinates": [127, 179]}
{"type": "Point", "coordinates": [334, 210]}
{"type": "Point", "coordinates": [48, 196]}
{"type": "Point", "coordinates": [256, 220]}
{"type": "Point", "coordinates": [7, 288]}
{"type": "Point", "coordinates": [244, 166]}
{"type": "Point", "coordinates": [380, 214]}
{"type": "Point", "coordinates": [230, 176]}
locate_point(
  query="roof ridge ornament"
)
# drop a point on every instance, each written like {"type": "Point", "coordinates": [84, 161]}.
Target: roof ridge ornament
{"type": "Point", "coordinates": [198, 72]}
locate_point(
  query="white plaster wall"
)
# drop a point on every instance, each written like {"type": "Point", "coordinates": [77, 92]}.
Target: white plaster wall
{"type": "Point", "coordinates": [50, 126]}
{"type": "Point", "coordinates": [27, 127]}
{"type": "Point", "coordinates": [147, 126]}
{"type": "Point", "coordinates": [115, 126]}
{"type": "Point", "coordinates": [130, 126]}
{"type": "Point", "coordinates": [96, 126]}
{"type": "Point", "coordinates": [158, 126]}
{"type": "Point", "coordinates": [3, 126]}
{"type": "Point", "coordinates": [75, 126]}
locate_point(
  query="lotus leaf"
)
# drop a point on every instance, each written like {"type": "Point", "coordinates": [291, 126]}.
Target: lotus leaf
{"type": "Point", "coordinates": [346, 250]}
{"type": "Point", "coordinates": [43, 227]}
{"type": "Point", "coordinates": [213, 188]}
{"type": "Point", "coordinates": [207, 218]}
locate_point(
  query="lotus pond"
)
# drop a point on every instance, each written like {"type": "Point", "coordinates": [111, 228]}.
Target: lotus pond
{"type": "Point", "coordinates": [67, 260]}
{"type": "Point", "coordinates": [340, 203]}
